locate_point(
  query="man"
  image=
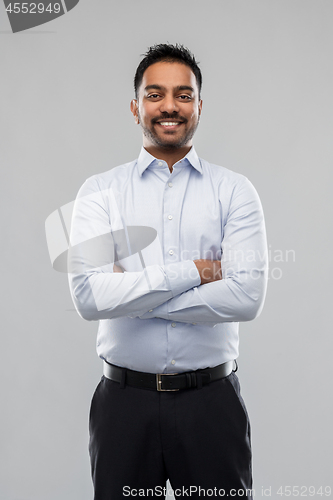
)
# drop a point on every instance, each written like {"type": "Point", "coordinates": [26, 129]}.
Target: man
{"type": "Point", "coordinates": [169, 253]}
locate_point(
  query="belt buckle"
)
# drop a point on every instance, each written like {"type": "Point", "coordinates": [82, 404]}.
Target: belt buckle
{"type": "Point", "coordinates": [159, 382]}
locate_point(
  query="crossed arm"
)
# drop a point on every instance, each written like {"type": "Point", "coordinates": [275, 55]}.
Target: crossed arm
{"type": "Point", "coordinates": [209, 270]}
{"type": "Point", "coordinates": [186, 291]}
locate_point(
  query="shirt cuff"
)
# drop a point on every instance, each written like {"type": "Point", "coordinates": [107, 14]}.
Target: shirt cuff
{"type": "Point", "coordinates": [182, 276]}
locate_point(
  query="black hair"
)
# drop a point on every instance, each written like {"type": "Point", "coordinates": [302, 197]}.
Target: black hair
{"type": "Point", "coordinates": [168, 53]}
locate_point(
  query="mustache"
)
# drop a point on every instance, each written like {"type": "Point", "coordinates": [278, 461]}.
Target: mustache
{"type": "Point", "coordinates": [168, 116]}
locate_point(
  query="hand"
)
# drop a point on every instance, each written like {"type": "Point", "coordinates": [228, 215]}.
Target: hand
{"type": "Point", "coordinates": [209, 270]}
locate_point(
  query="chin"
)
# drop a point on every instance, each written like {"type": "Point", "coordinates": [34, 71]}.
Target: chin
{"type": "Point", "coordinates": [170, 144]}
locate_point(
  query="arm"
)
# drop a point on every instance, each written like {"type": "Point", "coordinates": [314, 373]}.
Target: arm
{"type": "Point", "coordinates": [239, 296]}
{"type": "Point", "coordinates": [97, 291]}
{"type": "Point", "coordinates": [209, 270]}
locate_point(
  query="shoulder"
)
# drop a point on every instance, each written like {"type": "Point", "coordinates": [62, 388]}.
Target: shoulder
{"type": "Point", "coordinates": [105, 180]}
{"type": "Point", "coordinates": [234, 190]}
{"type": "Point", "coordinates": [225, 179]}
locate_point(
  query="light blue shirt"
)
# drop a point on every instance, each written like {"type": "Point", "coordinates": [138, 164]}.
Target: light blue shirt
{"type": "Point", "coordinates": [155, 316]}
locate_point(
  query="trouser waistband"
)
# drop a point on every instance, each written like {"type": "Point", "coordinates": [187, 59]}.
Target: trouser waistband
{"type": "Point", "coordinates": [166, 381]}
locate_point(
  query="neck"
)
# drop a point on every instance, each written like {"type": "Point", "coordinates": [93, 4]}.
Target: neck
{"type": "Point", "coordinates": [169, 156]}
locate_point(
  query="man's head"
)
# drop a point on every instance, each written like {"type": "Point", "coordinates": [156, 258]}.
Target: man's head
{"type": "Point", "coordinates": [167, 106]}
{"type": "Point", "coordinates": [168, 53]}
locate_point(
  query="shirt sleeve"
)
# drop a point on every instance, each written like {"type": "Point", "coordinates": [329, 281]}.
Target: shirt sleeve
{"type": "Point", "coordinates": [240, 295]}
{"type": "Point", "coordinates": [97, 291]}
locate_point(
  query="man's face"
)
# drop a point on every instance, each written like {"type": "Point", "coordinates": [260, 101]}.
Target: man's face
{"type": "Point", "coordinates": [168, 106]}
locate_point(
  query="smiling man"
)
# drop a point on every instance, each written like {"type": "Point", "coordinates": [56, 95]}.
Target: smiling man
{"type": "Point", "coordinates": [168, 405]}
{"type": "Point", "coordinates": [168, 109]}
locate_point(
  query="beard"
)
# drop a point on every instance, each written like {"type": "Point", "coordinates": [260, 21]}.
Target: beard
{"type": "Point", "coordinates": [173, 142]}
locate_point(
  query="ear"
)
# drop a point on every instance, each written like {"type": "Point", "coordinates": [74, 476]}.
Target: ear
{"type": "Point", "coordinates": [200, 106]}
{"type": "Point", "coordinates": [134, 109]}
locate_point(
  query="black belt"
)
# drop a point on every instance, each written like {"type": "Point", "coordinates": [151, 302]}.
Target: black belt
{"type": "Point", "coordinates": [166, 381]}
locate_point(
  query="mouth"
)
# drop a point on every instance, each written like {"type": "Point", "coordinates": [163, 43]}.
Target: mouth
{"type": "Point", "coordinates": [169, 124]}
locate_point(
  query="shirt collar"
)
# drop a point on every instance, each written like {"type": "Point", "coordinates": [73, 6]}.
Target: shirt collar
{"type": "Point", "coordinates": [145, 159]}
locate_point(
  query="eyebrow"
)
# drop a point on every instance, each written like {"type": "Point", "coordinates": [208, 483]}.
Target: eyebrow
{"type": "Point", "coordinates": [160, 87]}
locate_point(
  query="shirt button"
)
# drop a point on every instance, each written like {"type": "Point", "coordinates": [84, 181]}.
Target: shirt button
{"type": "Point", "coordinates": [171, 252]}
{"type": "Point", "coordinates": [192, 323]}
{"type": "Point", "coordinates": [170, 184]}
{"type": "Point", "coordinates": [173, 362]}
{"type": "Point", "coordinates": [151, 310]}
{"type": "Point", "coordinates": [170, 217]}
{"type": "Point", "coordinates": [173, 325]}
{"type": "Point", "coordinates": [160, 163]}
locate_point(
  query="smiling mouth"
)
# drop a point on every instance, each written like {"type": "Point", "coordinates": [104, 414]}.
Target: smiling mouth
{"type": "Point", "coordinates": [169, 124]}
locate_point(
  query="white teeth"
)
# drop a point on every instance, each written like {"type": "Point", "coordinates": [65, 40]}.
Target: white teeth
{"type": "Point", "coordinates": [168, 124]}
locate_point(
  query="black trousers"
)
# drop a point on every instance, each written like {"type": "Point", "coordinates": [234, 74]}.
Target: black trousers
{"type": "Point", "coordinates": [199, 439]}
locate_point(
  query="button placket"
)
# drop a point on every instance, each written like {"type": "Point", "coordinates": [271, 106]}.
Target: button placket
{"type": "Point", "coordinates": [174, 193]}
{"type": "Point", "coordinates": [170, 230]}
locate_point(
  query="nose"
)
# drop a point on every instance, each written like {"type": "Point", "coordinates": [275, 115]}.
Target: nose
{"type": "Point", "coordinates": [169, 104]}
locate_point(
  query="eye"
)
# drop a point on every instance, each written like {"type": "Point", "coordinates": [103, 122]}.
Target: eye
{"type": "Point", "coordinates": [185, 97]}
{"type": "Point", "coordinates": [153, 96]}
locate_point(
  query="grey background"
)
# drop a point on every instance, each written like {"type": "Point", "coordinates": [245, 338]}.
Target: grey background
{"type": "Point", "coordinates": [267, 113]}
